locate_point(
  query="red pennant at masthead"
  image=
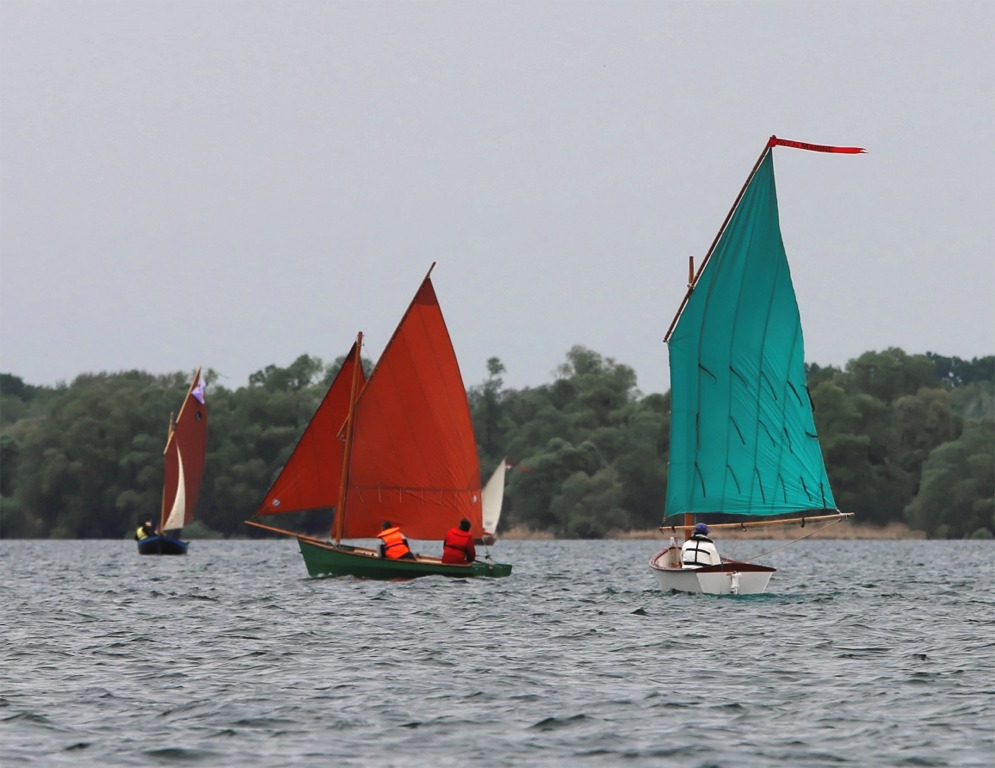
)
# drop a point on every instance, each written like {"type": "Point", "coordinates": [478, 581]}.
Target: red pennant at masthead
{"type": "Point", "coordinates": [776, 142]}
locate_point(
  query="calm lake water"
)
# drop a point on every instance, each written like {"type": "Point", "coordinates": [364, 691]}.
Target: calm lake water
{"type": "Point", "coordinates": [863, 653]}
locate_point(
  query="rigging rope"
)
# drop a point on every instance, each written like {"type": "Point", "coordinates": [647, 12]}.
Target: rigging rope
{"type": "Point", "coordinates": [793, 541]}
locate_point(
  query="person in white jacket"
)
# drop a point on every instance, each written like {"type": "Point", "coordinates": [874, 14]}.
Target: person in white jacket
{"type": "Point", "coordinates": [699, 550]}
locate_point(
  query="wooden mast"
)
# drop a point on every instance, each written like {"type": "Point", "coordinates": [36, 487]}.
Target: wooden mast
{"type": "Point", "coordinates": [715, 242]}
{"type": "Point", "coordinates": [338, 524]}
{"type": "Point", "coordinates": [346, 454]}
{"type": "Point", "coordinates": [693, 279]}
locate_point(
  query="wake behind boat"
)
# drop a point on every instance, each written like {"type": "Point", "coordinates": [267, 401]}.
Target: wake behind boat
{"type": "Point", "coordinates": [742, 437]}
{"type": "Point", "coordinates": [186, 448]}
{"type": "Point", "coordinates": [399, 447]}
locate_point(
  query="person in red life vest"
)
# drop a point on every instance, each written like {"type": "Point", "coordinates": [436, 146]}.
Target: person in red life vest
{"type": "Point", "coordinates": [393, 545]}
{"type": "Point", "coordinates": [457, 548]}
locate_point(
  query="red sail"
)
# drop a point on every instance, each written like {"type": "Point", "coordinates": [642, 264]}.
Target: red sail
{"type": "Point", "coordinates": [413, 458]}
{"type": "Point", "coordinates": [312, 476]}
{"type": "Point", "coordinates": [184, 458]}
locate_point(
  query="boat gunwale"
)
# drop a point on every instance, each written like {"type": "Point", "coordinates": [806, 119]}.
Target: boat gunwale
{"type": "Point", "coordinates": [423, 565]}
{"type": "Point", "coordinates": [160, 544]}
{"type": "Point", "coordinates": [724, 567]}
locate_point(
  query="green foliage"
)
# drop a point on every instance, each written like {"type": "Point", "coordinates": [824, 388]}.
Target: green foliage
{"type": "Point", "coordinates": [9, 454]}
{"type": "Point", "coordinates": [921, 422]}
{"type": "Point", "coordinates": [21, 401]}
{"type": "Point", "coordinates": [589, 505]}
{"type": "Point", "coordinates": [975, 400]}
{"type": "Point", "coordinates": [815, 374]}
{"type": "Point", "coordinates": [491, 423]}
{"type": "Point", "coordinates": [590, 451]}
{"type": "Point", "coordinates": [876, 431]}
{"type": "Point", "coordinates": [906, 437]}
{"type": "Point", "coordinates": [18, 523]}
{"type": "Point", "coordinates": [952, 372]}
{"type": "Point", "coordinates": [889, 375]}
{"type": "Point", "coordinates": [297, 376]}
{"type": "Point", "coordinates": [198, 529]}
{"type": "Point", "coordinates": [957, 496]}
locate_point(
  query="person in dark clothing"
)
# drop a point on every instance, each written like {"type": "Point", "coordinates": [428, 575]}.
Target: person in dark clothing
{"type": "Point", "coordinates": [457, 548]}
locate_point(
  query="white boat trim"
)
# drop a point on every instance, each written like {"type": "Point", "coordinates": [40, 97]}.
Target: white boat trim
{"type": "Point", "coordinates": [730, 577]}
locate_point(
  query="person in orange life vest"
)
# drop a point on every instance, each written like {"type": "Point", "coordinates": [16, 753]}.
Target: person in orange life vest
{"type": "Point", "coordinates": [393, 545]}
{"type": "Point", "coordinates": [457, 548]}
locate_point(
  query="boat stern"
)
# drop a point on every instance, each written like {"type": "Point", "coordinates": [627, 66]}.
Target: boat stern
{"type": "Point", "coordinates": [731, 577]}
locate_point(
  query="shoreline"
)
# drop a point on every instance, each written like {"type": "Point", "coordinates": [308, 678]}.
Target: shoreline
{"type": "Point", "coordinates": [841, 531]}
{"type": "Point", "coordinates": [844, 530]}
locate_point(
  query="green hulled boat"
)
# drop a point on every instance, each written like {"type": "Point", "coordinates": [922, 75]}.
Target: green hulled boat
{"type": "Point", "coordinates": [398, 448]}
{"type": "Point", "coordinates": [325, 558]}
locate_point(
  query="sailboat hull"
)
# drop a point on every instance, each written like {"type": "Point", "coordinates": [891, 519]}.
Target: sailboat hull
{"type": "Point", "coordinates": [162, 545]}
{"type": "Point", "coordinates": [730, 577]}
{"type": "Point", "coordinates": [324, 559]}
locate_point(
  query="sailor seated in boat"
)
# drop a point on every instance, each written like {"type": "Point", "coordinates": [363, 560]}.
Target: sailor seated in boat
{"type": "Point", "coordinates": [145, 531]}
{"type": "Point", "coordinates": [699, 549]}
{"type": "Point", "coordinates": [457, 547]}
{"type": "Point", "coordinates": [393, 545]}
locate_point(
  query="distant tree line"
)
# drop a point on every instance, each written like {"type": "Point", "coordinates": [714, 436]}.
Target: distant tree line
{"type": "Point", "coordinates": [906, 438]}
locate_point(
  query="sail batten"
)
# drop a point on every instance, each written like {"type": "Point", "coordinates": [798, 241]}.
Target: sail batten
{"type": "Point", "coordinates": [737, 358]}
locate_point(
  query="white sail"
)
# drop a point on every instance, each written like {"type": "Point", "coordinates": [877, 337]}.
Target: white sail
{"type": "Point", "coordinates": [493, 497]}
{"type": "Point", "coordinates": [174, 521]}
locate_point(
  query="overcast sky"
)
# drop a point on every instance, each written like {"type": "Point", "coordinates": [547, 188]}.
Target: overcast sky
{"type": "Point", "coordinates": [235, 184]}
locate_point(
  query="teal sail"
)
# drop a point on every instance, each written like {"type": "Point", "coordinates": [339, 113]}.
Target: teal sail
{"type": "Point", "coordinates": [743, 439]}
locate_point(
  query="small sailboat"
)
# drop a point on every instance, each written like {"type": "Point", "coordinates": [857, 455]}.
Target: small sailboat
{"type": "Point", "coordinates": [186, 447]}
{"type": "Point", "coordinates": [397, 447]}
{"type": "Point", "coordinates": [743, 442]}
{"type": "Point", "coordinates": [493, 500]}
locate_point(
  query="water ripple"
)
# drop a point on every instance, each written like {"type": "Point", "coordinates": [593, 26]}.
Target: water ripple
{"type": "Point", "coordinates": [232, 656]}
